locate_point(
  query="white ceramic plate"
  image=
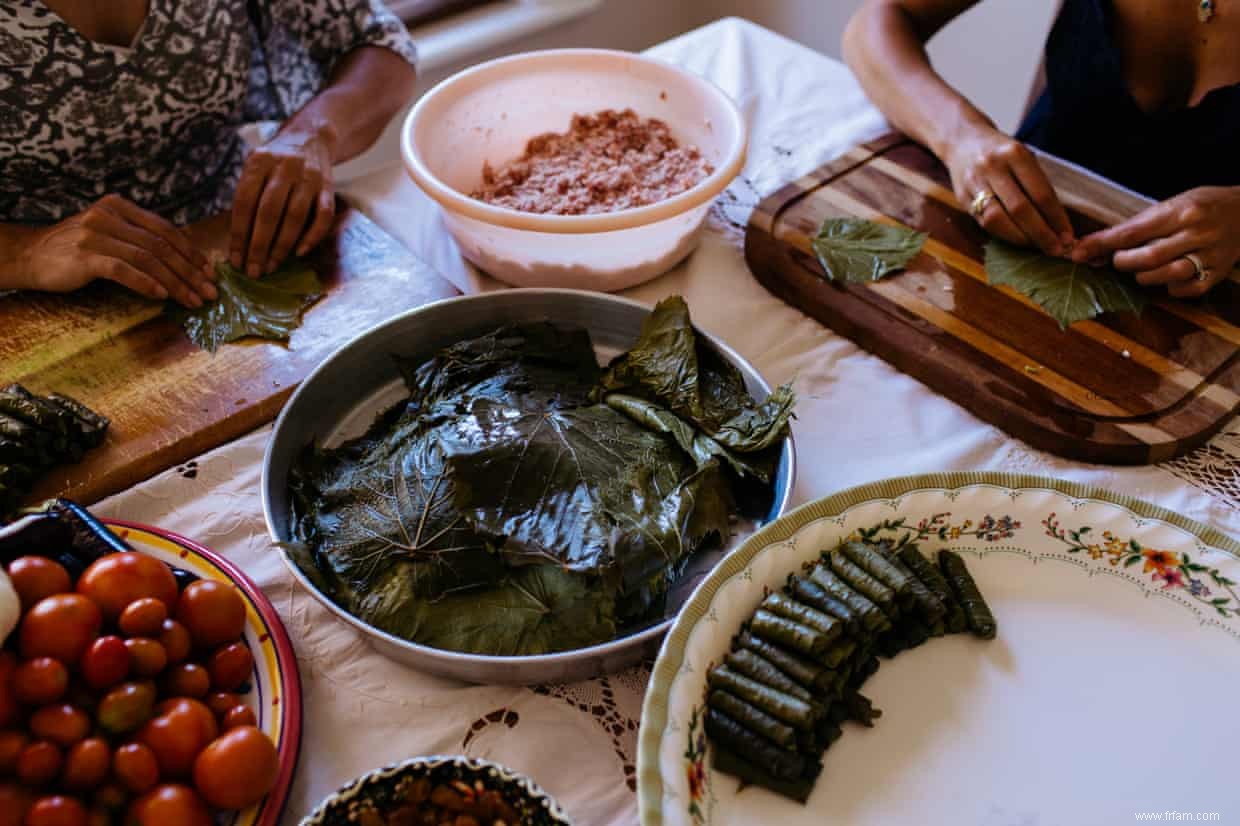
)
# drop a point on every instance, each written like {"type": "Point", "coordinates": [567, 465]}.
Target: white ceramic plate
{"type": "Point", "coordinates": [1107, 693]}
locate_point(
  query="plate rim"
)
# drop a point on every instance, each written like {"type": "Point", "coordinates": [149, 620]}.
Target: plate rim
{"type": "Point", "coordinates": [655, 710]}
{"type": "Point", "coordinates": [293, 712]}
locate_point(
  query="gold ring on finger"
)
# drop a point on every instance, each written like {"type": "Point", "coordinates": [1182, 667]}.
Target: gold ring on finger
{"type": "Point", "coordinates": [1200, 271]}
{"type": "Point", "coordinates": [980, 201]}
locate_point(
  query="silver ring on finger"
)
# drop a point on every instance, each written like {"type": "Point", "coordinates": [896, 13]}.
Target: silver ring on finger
{"type": "Point", "coordinates": [1200, 271]}
{"type": "Point", "coordinates": [980, 201]}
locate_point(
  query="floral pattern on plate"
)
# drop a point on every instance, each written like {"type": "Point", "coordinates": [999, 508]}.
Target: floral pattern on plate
{"type": "Point", "coordinates": [986, 516]}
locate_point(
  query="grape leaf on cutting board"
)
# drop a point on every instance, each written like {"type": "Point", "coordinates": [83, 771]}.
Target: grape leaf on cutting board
{"type": "Point", "coordinates": [1068, 291]}
{"type": "Point", "coordinates": [269, 307]}
{"type": "Point", "coordinates": [857, 251]}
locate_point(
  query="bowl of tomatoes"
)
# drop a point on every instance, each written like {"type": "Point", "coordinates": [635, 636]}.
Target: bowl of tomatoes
{"type": "Point", "coordinates": [148, 682]}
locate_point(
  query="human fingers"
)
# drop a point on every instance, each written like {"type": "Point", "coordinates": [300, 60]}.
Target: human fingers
{"type": "Point", "coordinates": [992, 216]}
{"type": "Point", "coordinates": [1023, 213]}
{"type": "Point", "coordinates": [1037, 186]}
{"type": "Point", "coordinates": [1181, 269]}
{"type": "Point", "coordinates": [1157, 253]}
{"type": "Point", "coordinates": [324, 215]}
{"type": "Point", "coordinates": [301, 202]}
{"type": "Point", "coordinates": [160, 238]}
{"type": "Point", "coordinates": [245, 205]}
{"type": "Point", "coordinates": [137, 257]}
{"type": "Point", "coordinates": [267, 217]}
{"type": "Point", "coordinates": [1155, 222]}
{"type": "Point", "coordinates": [114, 269]}
{"type": "Point", "coordinates": [1212, 272]}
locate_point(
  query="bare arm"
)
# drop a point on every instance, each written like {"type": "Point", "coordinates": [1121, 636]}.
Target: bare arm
{"type": "Point", "coordinates": [286, 196]}
{"type": "Point", "coordinates": [884, 45]}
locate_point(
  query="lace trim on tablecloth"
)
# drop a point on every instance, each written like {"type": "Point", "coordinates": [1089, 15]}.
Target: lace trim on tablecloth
{"type": "Point", "coordinates": [1214, 467]}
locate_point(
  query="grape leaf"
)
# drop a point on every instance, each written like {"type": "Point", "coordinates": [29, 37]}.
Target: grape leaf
{"type": "Point", "coordinates": [269, 307]}
{"type": "Point", "coordinates": [671, 366]}
{"type": "Point", "coordinates": [539, 609]}
{"type": "Point", "coordinates": [695, 442]}
{"type": "Point", "coordinates": [857, 251]}
{"type": "Point", "coordinates": [1068, 291]}
{"type": "Point", "coordinates": [499, 510]}
{"type": "Point", "coordinates": [388, 502]}
{"type": "Point", "coordinates": [585, 489]}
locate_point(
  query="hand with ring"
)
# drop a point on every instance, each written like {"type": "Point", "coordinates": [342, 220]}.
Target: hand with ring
{"type": "Point", "coordinates": [1190, 242]}
{"type": "Point", "coordinates": [1007, 192]}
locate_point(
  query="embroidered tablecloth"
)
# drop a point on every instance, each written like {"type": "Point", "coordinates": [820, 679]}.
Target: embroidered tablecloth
{"type": "Point", "coordinates": [858, 420]}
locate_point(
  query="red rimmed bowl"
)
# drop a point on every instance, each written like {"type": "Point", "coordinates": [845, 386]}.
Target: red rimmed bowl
{"type": "Point", "coordinates": [275, 695]}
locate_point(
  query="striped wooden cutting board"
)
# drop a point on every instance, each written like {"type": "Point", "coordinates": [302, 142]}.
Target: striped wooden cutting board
{"type": "Point", "coordinates": [1117, 389]}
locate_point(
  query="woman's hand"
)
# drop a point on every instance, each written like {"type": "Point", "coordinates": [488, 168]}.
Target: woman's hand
{"type": "Point", "coordinates": [1025, 209]}
{"type": "Point", "coordinates": [1155, 244]}
{"type": "Point", "coordinates": [286, 197]}
{"type": "Point", "coordinates": [119, 241]}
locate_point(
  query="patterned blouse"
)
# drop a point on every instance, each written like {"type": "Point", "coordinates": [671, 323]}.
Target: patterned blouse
{"type": "Point", "coordinates": [158, 122]}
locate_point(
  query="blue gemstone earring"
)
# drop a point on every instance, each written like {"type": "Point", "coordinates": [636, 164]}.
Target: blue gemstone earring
{"type": "Point", "coordinates": [1205, 10]}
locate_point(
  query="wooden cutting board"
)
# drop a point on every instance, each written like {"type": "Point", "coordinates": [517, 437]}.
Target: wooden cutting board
{"type": "Point", "coordinates": [1117, 389]}
{"type": "Point", "coordinates": [170, 401]}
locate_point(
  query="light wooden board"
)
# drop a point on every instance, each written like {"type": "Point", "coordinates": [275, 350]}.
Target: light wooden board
{"type": "Point", "coordinates": [170, 401]}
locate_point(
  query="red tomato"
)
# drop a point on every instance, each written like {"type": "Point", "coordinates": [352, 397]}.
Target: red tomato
{"type": "Point", "coordinates": [9, 710]}
{"type": "Point", "coordinates": [57, 810]}
{"type": "Point", "coordinates": [143, 617]}
{"type": "Point", "coordinates": [87, 765]}
{"type": "Point", "coordinates": [126, 707]}
{"type": "Point", "coordinates": [177, 737]}
{"type": "Point", "coordinates": [111, 796]}
{"type": "Point", "coordinates": [146, 657]}
{"type": "Point", "coordinates": [238, 769]}
{"type": "Point", "coordinates": [14, 802]}
{"type": "Point", "coordinates": [60, 626]}
{"type": "Point", "coordinates": [206, 719]}
{"type": "Point", "coordinates": [11, 745]}
{"type": "Point", "coordinates": [39, 763]}
{"type": "Point", "coordinates": [115, 580]}
{"type": "Point", "coordinates": [187, 680]}
{"type": "Point", "coordinates": [230, 667]}
{"type": "Point", "coordinates": [40, 681]}
{"type": "Point", "coordinates": [135, 767]}
{"type": "Point", "coordinates": [36, 577]}
{"type": "Point", "coordinates": [239, 716]}
{"type": "Point", "coordinates": [221, 702]}
{"type": "Point", "coordinates": [174, 637]}
{"type": "Point", "coordinates": [105, 663]}
{"type": "Point", "coordinates": [63, 724]}
{"type": "Point", "coordinates": [213, 612]}
{"type": "Point", "coordinates": [168, 804]}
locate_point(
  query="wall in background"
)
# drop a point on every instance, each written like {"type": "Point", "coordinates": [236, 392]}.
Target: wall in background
{"type": "Point", "coordinates": [616, 24]}
{"type": "Point", "coordinates": [990, 53]}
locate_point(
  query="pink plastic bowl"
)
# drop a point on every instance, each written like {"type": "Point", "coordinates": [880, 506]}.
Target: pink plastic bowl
{"type": "Point", "coordinates": [487, 114]}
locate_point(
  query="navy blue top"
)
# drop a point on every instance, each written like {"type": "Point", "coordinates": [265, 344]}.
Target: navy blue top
{"type": "Point", "coordinates": [1087, 115]}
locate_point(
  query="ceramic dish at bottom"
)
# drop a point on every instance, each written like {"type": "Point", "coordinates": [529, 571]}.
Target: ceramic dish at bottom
{"type": "Point", "coordinates": [275, 695]}
{"type": "Point", "coordinates": [1101, 696]}
{"type": "Point", "coordinates": [382, 788]}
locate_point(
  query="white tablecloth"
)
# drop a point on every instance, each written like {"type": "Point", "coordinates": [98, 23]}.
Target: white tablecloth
{"type": "Point", "coordinates": [858, 420]}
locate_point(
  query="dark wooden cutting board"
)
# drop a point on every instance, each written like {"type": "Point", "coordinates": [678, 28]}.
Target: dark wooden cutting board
{"type": "Point", "coordinates": [170, 401]}
{"type": "Point", "coordinates": [1117, 389]}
